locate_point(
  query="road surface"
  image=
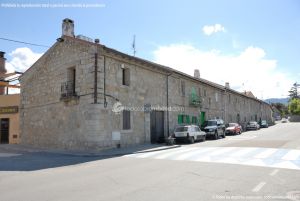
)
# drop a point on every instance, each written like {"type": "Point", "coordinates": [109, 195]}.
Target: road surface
{"type": "Point", "coordinates": [257, 165]}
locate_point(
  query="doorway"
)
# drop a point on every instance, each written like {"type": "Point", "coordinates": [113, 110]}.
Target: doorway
{"type": "Point", "coordinates": [4, 131]}
{"type": "Point", "coordinates": [202, 118]}
{"type": "Point", "coordinates": [157, 126]}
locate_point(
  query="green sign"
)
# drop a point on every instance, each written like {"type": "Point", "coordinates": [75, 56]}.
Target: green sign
{"type": "Point", "coordinates": [9, 110]}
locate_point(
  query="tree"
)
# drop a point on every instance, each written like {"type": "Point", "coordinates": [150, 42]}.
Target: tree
{"type": "Point", "coordinates": [283, 109]}
{"type": "Point", "coordinates": [293, 92]}
{"type": "Point", "coordinates": [294, 106]}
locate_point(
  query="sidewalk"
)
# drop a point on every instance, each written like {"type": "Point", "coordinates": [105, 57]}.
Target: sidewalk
{"type": "Point", "coordinates": [105, 153]}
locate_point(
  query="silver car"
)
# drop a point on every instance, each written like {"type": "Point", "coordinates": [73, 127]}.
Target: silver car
{"type": "Point", "coordinates": [189, 133]}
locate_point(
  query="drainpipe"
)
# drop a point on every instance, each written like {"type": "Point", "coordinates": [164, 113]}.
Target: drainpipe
{"type": "Point", "coordinates": [104, 82]}
{"type": "Point", "coordinates": [168, 126]}
{"type": "Point", "coordinates": [224, 104]}
{"type": "Point", "coordinates": [96, 79]}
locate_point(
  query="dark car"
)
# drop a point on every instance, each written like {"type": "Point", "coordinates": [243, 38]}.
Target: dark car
{"type": "Point", "coordinates": [214, 128]}
{"type": "Point", "coordinates": [233, 129]}
{"type": "Point", "coordinates": [264, 124]}
{"type": "Point", "coordinates": [252, 125]}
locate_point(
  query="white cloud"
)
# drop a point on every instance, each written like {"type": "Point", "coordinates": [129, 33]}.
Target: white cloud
{"type": "Point", "coordinates": [211, 29]}
{"type": "Point", "coordinates": [249, 70]}
{"type": "Point", "coordinates": [22, 59]}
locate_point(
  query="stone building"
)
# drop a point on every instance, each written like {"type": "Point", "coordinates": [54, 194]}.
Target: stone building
{"type": "Point", "coordinates": [82, 95]}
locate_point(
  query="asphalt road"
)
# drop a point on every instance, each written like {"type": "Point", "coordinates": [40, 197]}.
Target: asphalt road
{"type": "Point", "coordinates": [257, 165]}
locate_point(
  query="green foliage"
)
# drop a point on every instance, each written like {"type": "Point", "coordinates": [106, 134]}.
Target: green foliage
{"type": "Point", "coordinates": [281, 107]}
{"type": "Point", "coordinates": [294, 106]}
{"type": "Point", "coordinates": [293, 92]}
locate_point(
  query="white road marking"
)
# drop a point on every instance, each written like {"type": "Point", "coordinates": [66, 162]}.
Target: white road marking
{"type": "Point", "coordinates": [8, 154]}
{"type": "Point", "coordinates": [253, 156]}
{"type": "Point", "coordinates": [180, 151]}
{"type": "Point", "coordinates": [274, 172]}
{"type": "Point", "coordinates": [266, 153]}
{"type": "Point", "coordinates": [258, 187]}
{"type": "Point", "coordinates": [195, 153]}
{"type": "Point", "coordinates": [242, 152]}
{"type": "Point", "coordinates": [241, 137]}
{"type": "Point", "coordinates": [292, 155]}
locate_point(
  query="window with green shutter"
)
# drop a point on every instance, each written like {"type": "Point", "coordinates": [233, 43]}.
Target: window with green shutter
{"type": "Point", "coordinates": [180, 119]}
{"type": "Point", "coordinates": [187, 119]}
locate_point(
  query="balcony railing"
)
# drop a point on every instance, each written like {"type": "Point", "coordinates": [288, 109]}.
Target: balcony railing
{"type": "Point", "coordinates": [68, 90]}
{"type": "Point", "coordinates": [194, 100]}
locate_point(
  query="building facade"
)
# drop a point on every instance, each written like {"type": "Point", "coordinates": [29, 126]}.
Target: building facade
{"type": "Point", "coordinates": [9, 119]}
{"type": "Point", "coordinates": [82, 95]}
{"type": "Point", "coordinates": [9, 108]}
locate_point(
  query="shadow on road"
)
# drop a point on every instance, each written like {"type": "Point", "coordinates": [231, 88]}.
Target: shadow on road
{"type": "Point", "coordinates": [12, 159]}
{"type": "Point", "coordinates": [40, 160]}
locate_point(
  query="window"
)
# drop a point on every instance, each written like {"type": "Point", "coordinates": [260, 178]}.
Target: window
{"type": "Point", "coordinates": [217, 96]}
{"type": "Point", "coordinates": [71, 80]}
{"type": "Point", "coordinates": [209, 101]}
{"type": "Point", "coordinates": [204, 92]}
{"type": "Point", "coordinates": [182, 83]}
{"type": "Point", "coordinates": [186, 119]}
{"type": "Point", "coordinates": [199, 92]}
{"type": "Point", "coordinates": [229, 98]}
{"type": "Point", "coordinates": [125, 76]}
{"type": "Point", "coordinates": [182, 118]}
{"type": "Point", "coordinates": [126, 120]}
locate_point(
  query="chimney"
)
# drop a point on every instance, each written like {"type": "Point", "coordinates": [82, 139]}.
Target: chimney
{"type": "Point", "coordinates": [227, 85]}
{"type": "Point", "coordinates": [68, 27]}
{"type": "Point", "coordinates": [197, 73]}
{"type": "Point", "coordinates": [2, 70]}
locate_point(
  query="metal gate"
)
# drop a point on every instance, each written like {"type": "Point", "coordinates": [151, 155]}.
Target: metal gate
{"type": "Point", "coordinates": [157, 126]}
{"type": "Point", "coordinates": [4, 130]}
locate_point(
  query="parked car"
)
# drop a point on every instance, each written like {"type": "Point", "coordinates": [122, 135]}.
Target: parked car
{"type": "Point", "coordinates": [189, 133]}
{"type": "Point", "coordinates": [264, 124]}
{"type": "Point", "coordinates": [215, 128]}
{"type": "Point", "coordinates": [283, 120]}
{"type": "Point", "coordinates": [234, 129]}
{"type": "Point", "coordinates": [252, 125]}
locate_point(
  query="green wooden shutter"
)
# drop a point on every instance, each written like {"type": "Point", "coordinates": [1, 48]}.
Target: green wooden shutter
{"type": "Point", "coordinates": [187, 119]}
{"type": "Point", "coordinates": [180, 119]}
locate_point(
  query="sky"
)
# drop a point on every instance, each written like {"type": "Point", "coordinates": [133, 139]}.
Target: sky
{"type": "Point", "coordinates": [253, 45]}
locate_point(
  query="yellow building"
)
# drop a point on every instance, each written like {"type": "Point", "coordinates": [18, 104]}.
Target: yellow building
{"type": "Point", "coordinates": [9, 105]}
{"type": "Point", "coordinates": [9, 118]}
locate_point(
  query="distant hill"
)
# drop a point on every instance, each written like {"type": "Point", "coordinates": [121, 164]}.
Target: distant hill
{"type": "Point", "coordinates": [278, 100]}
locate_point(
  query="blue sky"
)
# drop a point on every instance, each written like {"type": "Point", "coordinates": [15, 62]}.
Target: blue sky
{"type": "Point", "coordinates": [263, 34]}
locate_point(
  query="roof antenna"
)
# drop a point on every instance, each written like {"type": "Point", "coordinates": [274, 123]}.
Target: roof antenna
{"type": "Point", "coordinates": [133, 46]}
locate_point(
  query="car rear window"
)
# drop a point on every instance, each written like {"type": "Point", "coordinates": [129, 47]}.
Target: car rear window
{"type": "Point", "coordinates": [181, 129]}
{"type": "Point", "coordinates": [232, 124]}
{"type": "Point", "coordinates": [211, 123]}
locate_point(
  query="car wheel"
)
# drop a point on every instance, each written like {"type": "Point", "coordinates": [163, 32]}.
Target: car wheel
{"type": "Point", "coordinates": [203, 138]}
{"type": "Point", "coordinates": [192, 140]}
{"type": "Point", "coordinates": [216, 136]}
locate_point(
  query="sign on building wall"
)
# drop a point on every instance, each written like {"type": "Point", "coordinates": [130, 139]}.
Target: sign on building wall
{"type": "Point", "coordinates": [9, 110]}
